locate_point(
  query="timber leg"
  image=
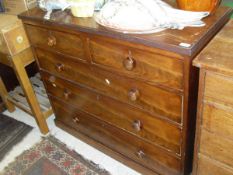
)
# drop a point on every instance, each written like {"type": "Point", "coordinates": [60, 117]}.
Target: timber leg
{"type": "Point", "coordinates": [30, 94]}
{"type": "Point", "coordinates": [4, 94]}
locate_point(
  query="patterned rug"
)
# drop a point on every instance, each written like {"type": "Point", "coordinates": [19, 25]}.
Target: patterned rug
{"type": "Point", "coordinates": [51, 157]}
{"type": "Point", "coordinates": [11, 132]}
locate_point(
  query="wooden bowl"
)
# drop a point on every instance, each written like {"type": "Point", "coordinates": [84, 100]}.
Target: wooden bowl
{"type": "Point", "coordinates": [199, 5]}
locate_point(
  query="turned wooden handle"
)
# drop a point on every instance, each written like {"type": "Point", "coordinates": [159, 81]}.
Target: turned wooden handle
{"type": "Point", "coordinates": [52, 41]}
{"type": "Point", "coordinates": [52, 80]}
{"type": "Point", "coordinates": [133, 94]}
{"type": "Point", "coordinates": [137, 125]}
{"type": "Point", "coordinates": [129, 63]}
{"type": "Point", "coordinates": [67, 94]}
{"type": "Point", "coordinates": [59, 67]}
{"type": "Point", "coordinates": [75, 120]}
{"type": "Point", "coordinates": [140, 154]}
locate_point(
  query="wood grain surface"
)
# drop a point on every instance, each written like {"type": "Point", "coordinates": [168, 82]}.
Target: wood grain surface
{"type": "Point", "coordinates": [141, 88]}
{"type": "Point", "coordinates": [13, 38]}
{"type": "Point", "coordinates": [217, 147]}
{"type": "Point", "coordinates": [214, 136]}
{"type": "Point", "coordinates": [151, 129]}
{"type": "Point", "coordinates": [115, 86]}
{"type": "Point", "coordinates": [214, 133]}
{"type": "Point", "coordinates": [156, 68]}
{"type": "Point", "coordinates": [219, 87]}
{"type": "Point", "coordinates": [167, 40]}
{"type": "Point", "coordinates": [58, 41]}
{"type": "Point", "coordinates": [209, 166]}
{"type": "Point", "coordinates": [151, 157]}
{"type": "Point", "coordinates": [217, 55]}
{"type": "Point", "coordinates": [218, 118]}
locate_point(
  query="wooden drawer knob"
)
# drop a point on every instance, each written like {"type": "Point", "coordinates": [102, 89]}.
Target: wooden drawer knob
{"type": "Point", "coordinates": [52, 41]}
{"type": "Point", "coordinates": [129, 63]}
{"type": "Point", "coordinates": [140, 154]}
{"type": "Point", "coordinates": [67, 94]}
{"type": "Point", "coordinates": [52, 80]}
{"type": "Point", "coordinates": [137, 125]}
{"type": "Point", "coordinates": [75, 120]}
{"type": "Point", "coordinates": [133, 94]}
{"type": "Point", "coordinates": [59, 67]}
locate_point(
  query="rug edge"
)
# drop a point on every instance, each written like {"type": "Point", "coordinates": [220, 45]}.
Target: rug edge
{"type": "Point", "coordinates": [87, 162]}
{"type": "Point", "coordinates": [16, 138]}
{"type": "Point", "coordinates": [90, 164]}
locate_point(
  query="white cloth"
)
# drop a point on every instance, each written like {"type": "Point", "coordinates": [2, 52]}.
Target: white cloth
{"type": "Point", "coordinates": [146, 16]}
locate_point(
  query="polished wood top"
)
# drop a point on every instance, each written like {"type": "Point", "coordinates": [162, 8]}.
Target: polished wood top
{"type": "Point", "coordinates": [168, 40]}
{"type": "Point", "coordinates": [218, 55]}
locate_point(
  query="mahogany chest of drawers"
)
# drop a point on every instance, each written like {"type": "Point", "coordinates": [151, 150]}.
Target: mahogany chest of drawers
{"type": "Point", "coordinates": [131, 96]}
{"type": "Point", "coordinates": [214, 138]}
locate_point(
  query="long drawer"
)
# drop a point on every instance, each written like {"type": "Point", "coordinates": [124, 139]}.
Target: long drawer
{"type": "Point", "coordinates": [118, 140]}
{"type": "Point", "coordinates": [134, 121]}
{"type": "Point", "coordinates": [218, 118]}
{"type": "Point", "coordinates": [217, 147]}
{"type": "Point", "coordinates": [144, 96]}
{"type": "Point", "coordinates": [219, 87]}
{"type": "Point", "coordinates": [134, 62]}
{"type": "Point", "coordinates": [207, 166]}
{"type": "Point", "coordinates": [66, 43]}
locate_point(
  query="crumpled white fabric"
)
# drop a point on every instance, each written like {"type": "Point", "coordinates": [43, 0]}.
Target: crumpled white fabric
{"type": "Point", "coordinates": [146, 16]}
{"type": "Point", "coordinates": [50, 5]}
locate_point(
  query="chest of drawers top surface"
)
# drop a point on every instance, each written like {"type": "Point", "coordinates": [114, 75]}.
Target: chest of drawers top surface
{"type": "Point", "coordinates": [218, 54]}
{"type": "Point", "coordinates": [169, 40]}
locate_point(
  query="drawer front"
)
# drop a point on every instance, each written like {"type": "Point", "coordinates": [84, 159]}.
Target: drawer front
{"type": "Point", "coordinates": [142, 95]}
{"type": "Point", "coordinates": [217, 147]}
{"type": "Point", "coordinates": [118, 140]}
{"type": "Point", "coordinates": [153, 130]}
{"type": "Point", "coordinates": [13, 41]}
{"type": "Point", "coordinates": [207, 166]}
{"type": "Point", "coordinates": [133, 62]}
{"type": "Point", "coordinates": [65, 43]}
{"type": "Point", "coordinates": [218, 119]}
{"type": "Point", "coordinates": [219, 87]}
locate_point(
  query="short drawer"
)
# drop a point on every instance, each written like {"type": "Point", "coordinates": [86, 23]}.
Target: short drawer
{"type": "Point", "coordinates": [134, 62]}
{"type": "Point", "coordinates": [13, 38]}
{"type": "Point", "coordinates": [207, 166]}
{"type": "Point", "coordinates": [218, 119]}
{"type": "Point", "coordinates": [142, 95]}
{"type": "Point", "coordinates": [116, 139]}
{"type": "Point", "coordinates": [217, 147]}
{"type": "Point", "coordinates": [65, 43]}
{"type": "Point", "coordinates": [219, 87]}
{"type": "Point", "coordinates": [132, 120]}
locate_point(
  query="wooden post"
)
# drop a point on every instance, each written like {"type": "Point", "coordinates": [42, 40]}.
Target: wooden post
{"type": "Point", "coordinates": [25, 83]}
{"type": "Point", "coordinates": [4, 94]}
